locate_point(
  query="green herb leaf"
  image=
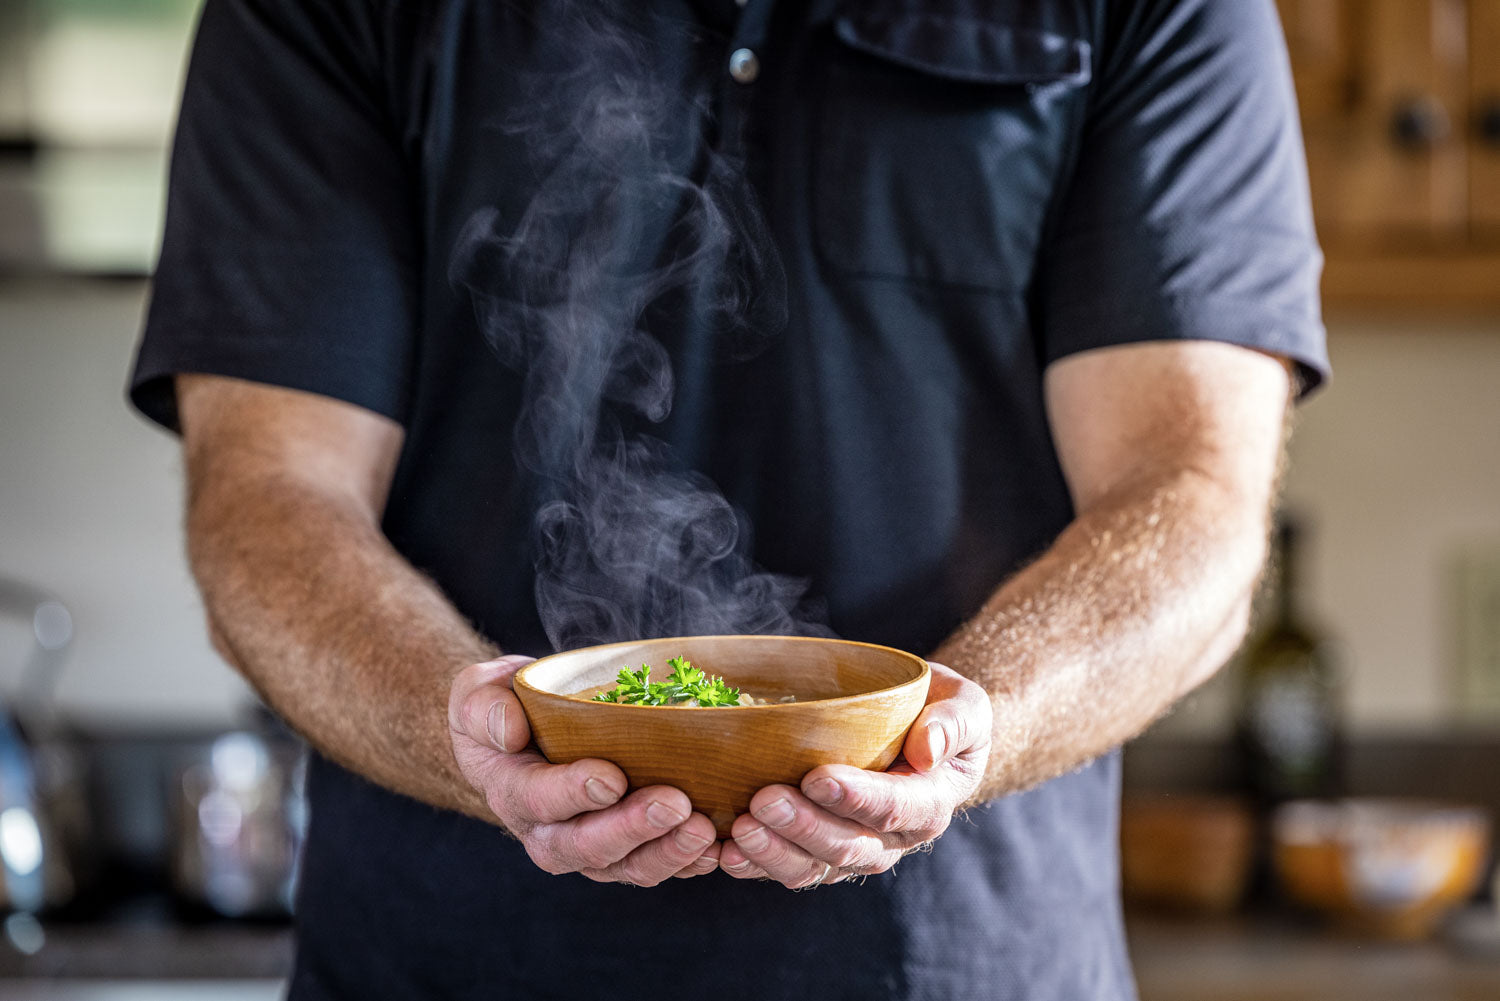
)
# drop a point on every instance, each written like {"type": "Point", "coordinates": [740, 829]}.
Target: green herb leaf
{"type": "Point", "coordinates": [715, 692]}
{"type": "Point", "coordinates": [684, 673]}
{"type": "Point", "coordinates": [634, 687]}
{"type": "Point", "coordinates": [686, 683]}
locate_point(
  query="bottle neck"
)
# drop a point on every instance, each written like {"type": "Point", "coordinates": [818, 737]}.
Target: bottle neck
{"type": "Point", "coordinates": [1287, 576]}
{"type": "Point", "coordinates": [1286, 589]}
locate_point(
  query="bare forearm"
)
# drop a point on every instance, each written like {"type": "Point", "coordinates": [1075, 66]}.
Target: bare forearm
{"type": "Point", "coordinates": [337, 632]}
{"type": "Point", "coordinates": [1137, 602]}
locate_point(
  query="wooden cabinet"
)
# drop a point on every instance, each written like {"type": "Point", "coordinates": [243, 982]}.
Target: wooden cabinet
{"type": "Point", "coordinates": [1484, 88]}
{"type": "Point", "coordinates": [1401, 112]}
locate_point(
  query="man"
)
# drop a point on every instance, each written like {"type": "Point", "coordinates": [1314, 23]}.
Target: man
{"type": "Point", "coordinates": [1050, 283]}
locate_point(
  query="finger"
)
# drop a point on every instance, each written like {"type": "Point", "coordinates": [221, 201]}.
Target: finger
{"type": "Point", "coordinates": [524, 789]}
{"type": "Point", "coordinates": [827, 837]}
{"type": "Point", "coordinates": [599, 840]}
{"type": "Point", "coordinates": [667, 856]}
{"type": "Point", "coordinates": [482, 706]}
{"type": "Point", "coordinates": [733, 861]}
{"type": "Point", "coordinates": [956, 720]}
{"type": "Point", "coordinates": [782, 861]}
{"type": "Point", "coordinates": [702, 865]}
{"type": "Point", "coordinates": [899, 801]}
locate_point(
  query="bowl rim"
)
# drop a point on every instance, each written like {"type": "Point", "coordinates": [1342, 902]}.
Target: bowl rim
{"type": "Point", "coordinates": [520, 681]}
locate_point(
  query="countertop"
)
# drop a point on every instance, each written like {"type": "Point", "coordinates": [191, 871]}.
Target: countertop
{"type": "Point", "coordinates": [154, 950]}
{"type": "Point", "coordinates": [141, 990]}
{"type": "Point", "coordinates": [1286, 958]}
{"type": "Point", "coordinates": [1273, 957]}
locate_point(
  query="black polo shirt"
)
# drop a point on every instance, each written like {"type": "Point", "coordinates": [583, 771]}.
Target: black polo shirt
{"type": "Point", "coordinates": [955, 194]}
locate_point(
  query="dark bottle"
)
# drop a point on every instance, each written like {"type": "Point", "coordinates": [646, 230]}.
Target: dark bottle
{"type": "Point", "coordinates": [1287, 721]}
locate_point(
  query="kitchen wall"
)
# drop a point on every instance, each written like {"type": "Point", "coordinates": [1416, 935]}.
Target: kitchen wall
{"type": "Point", "coordinates": [1399, 467]}
{"type": "Point", "coordinates": [90, 508]}
{"type": "Point", "coordinates": [1396, 468]}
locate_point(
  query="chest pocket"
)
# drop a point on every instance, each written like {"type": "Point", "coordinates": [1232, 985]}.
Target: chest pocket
{"type": "Point", "coordinates": [941, 142]}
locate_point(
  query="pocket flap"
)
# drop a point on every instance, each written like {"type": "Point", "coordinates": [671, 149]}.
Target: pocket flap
{"type": "Point", "coordinates": [966, 49]}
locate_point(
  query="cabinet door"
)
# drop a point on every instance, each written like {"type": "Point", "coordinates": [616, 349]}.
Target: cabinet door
{"type": "Point", "coordinates": [1321, 41]}
{"type": "Point", "coordinates": [1384, 88]}
{"type": "Point", "coordinates": [1484, 72]}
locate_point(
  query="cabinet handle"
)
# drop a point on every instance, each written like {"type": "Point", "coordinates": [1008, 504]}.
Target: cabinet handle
{"type": "Point", "coordinates": [1487, 122]}
{"type": "Point", "coordinates": [1420, 123]}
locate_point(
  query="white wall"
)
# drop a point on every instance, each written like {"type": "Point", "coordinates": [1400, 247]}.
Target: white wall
{"type": "Point", "coordinates": [90, 507]}
{"type": "Point", "coordinates": [1396, 468]}
{"type": "Point", "coordinates": [1400, 467]}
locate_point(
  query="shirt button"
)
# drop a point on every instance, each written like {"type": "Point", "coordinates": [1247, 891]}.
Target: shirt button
{"type": "Point", "coordinates": [744, 66]}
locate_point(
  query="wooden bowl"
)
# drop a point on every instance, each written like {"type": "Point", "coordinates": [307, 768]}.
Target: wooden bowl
{"type": "Point", "coordinates": [1185, 852]}
{"type": "Point", "coordinates": [855, 702]}
{"type": "Point", "coordinates": [1388, 867]}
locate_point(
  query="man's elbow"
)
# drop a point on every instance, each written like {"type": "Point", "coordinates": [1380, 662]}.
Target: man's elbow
{"type": "Point", "coordinates": [1252, 543]}
{"type": "Point", "coordinates": [1221, 646]}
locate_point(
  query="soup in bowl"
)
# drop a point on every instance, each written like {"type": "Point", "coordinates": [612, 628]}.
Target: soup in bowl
{"type": "Point", "coordinates": [817, 702]}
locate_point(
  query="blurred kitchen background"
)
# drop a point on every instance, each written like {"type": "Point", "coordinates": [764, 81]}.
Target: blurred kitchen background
{"type": "Point", "coordinates": [145, 748]}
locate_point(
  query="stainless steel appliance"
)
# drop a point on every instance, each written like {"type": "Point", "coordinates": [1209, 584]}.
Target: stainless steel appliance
{"type": "Point", "coordinates": [237, 818]}
{"type": "Point", "coordinates": [44, 817]}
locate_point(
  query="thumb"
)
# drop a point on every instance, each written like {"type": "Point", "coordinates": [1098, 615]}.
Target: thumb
{"type": "Point", "coordinates": [483, 707]}
{"type": "Point", "coordinates": [956, 718]}
{"type": "Point", "coordinates": [929, 742]}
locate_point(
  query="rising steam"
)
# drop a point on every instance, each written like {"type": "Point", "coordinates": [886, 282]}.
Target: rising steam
{"type": "Point", "coordinates": [628, 545]}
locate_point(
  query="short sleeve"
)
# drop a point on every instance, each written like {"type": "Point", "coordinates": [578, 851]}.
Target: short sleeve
{"type": "Point", "coordinates": [289, 254]}
{"type": "Point", "coordinates": [1188, 215]}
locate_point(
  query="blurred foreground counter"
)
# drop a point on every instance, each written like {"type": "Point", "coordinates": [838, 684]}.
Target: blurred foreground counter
{"type": "Point", "coordinates": [151, 950]}
{"type": "Point", "coordinates": [1270, 958]}
{"type": "Point", "coordinates": [145, 959]}
{"type": "Point", "coordinates": [1236, 958]}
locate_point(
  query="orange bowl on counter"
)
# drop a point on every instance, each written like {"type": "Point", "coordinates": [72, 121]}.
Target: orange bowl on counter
{"type": "Point", "coordinates": [854, 704]}
{"type": "Point", "coordinates": [1185, 852]}
{"type": "Point", "coordinates": [1387, 867]}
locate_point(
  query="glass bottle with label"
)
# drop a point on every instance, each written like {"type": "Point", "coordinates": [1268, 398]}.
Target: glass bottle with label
{"type": "Point", "coordinates": [1287, 721]}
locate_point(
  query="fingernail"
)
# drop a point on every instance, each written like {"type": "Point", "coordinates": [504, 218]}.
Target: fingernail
{"type": "Point", "coordinates": [663, 816]}
{"type": "Point", "coordinates": [600, 793]}
{"type": "Point", "coordinates": [738, 866]}
{"type": "Point", "coordinates": [494, 724]}
{"type": "Point", "coordinates": [753, 841]}
{"type": "Point", "coordinates": [690, 842]}
{"type": "Point", "coordinates": [825, 791]}
{"type": "Point", "coordinates": [777, 814]}
{"type": "Point", "coordinates": [937, 741]}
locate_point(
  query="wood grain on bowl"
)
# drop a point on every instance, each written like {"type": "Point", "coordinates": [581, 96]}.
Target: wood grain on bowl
{"type": "Point", "coordinates": [855, 702]}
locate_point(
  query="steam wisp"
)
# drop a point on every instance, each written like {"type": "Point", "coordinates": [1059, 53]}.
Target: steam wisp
{"type": "Point", "coordinates": [624, 227]}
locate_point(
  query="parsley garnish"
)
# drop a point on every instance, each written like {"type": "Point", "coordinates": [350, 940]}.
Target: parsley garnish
{"type": "Point", "coordinates": [685, 684]}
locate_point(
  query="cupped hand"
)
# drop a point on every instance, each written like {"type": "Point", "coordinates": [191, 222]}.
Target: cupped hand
{"type": "Point", "coordinates": [575, 817]}
{"type": "Point", "coordinates": [847, 821]}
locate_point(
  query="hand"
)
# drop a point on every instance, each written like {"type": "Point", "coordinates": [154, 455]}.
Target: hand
{"type": "Point", "coordinates": [846, 821]}
{"type": "Point", "coordinates": [570, 818]}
